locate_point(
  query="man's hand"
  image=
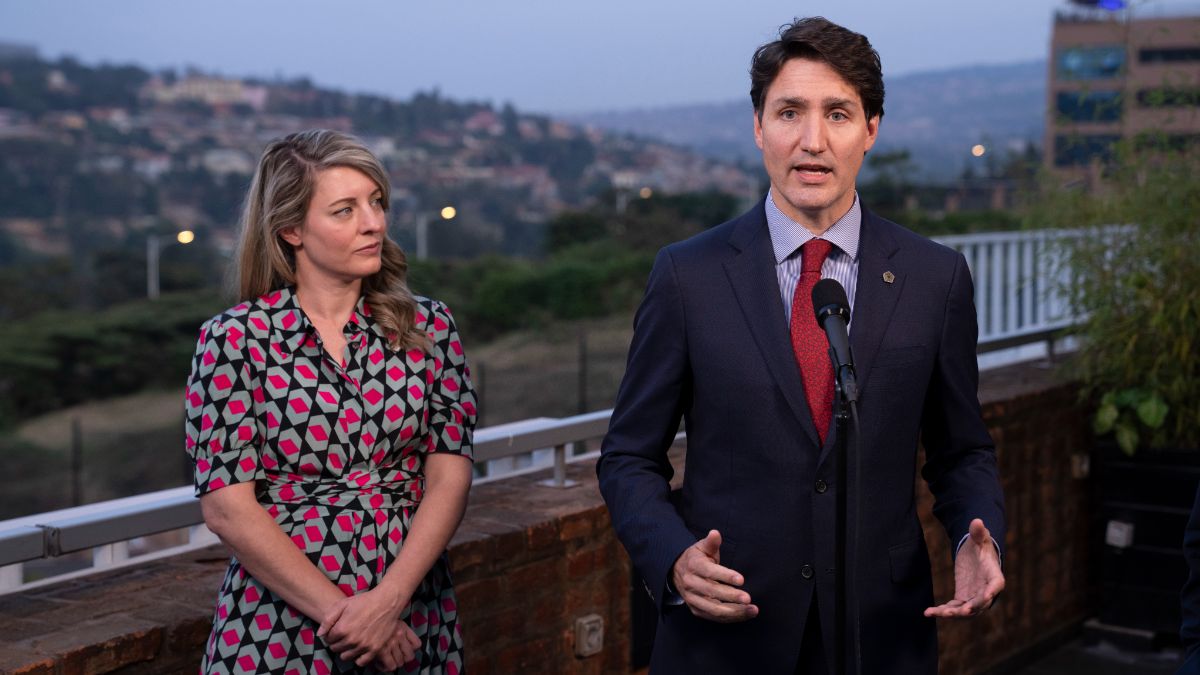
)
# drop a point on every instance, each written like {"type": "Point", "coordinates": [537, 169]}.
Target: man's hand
{"type": "Point", "coordinates": [977, 577]}
{"type": "Point", "coordinates": [711, 592]}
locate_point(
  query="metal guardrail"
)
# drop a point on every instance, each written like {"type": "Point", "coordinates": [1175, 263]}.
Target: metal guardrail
{"type": "Point", "coordinates": [1018, 277]}
{"type": "Point", "coordinates": [1014, 274]}
{"type": "Point", "coordinates": [102, 524]}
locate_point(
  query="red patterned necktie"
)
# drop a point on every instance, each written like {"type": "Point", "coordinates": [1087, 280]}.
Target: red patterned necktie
{"type": "Point", "coordinates": [809, 341]}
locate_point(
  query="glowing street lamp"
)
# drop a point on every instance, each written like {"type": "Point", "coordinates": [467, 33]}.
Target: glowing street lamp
{"type": "Point", "coordinates": [423, 217]}
{"type": "Point", "coordinates": [154, 248]}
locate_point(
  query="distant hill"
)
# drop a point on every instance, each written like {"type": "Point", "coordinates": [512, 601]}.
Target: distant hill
{"type": "Point", "coordinates": [938, 116]}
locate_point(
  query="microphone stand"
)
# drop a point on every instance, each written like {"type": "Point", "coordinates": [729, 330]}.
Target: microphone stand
{"type": "Point", "coordinates": [845, 411]}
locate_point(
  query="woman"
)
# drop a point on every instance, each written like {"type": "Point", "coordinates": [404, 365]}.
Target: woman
{"type": "Point", "coordinates": [330, 417]}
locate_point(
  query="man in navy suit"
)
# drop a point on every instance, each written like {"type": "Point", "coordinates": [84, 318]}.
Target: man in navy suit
{"type": "Point", "coordinates": [741, 561]}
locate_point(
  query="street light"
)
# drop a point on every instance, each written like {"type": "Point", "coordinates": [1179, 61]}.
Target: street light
{"type": "Point", "coordinates": [154, 247]}
{"type": "Point", "coordinates": [423, 218]}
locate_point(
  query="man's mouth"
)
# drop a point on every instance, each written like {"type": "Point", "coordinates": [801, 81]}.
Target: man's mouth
{"type": "Point", "coordinates": [812, 169]}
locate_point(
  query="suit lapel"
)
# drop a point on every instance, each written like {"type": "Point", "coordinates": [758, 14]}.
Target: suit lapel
{"type": "Point", "coordinates": [874, 301]}
{"type": "Point", "coordinates": [752, 274]}
{"type": "Point", "coordinates": [879, 284]}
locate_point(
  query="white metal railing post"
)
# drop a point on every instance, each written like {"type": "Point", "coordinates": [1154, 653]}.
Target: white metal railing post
{"type": "Point", "coordinates": [1028, 251]}
{"type": "Point", "coordinates": [560, 470]}
{"type": "Point", "coordinates": [1012, 286]}
{"type": "Point", "coordinates": [12, 576]}
{"type": "Point", "coordinates": [108, 555]}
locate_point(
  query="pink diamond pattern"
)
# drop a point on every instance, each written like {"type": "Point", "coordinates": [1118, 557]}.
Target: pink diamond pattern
{"type": "Point", "coordinates": [262, 404]}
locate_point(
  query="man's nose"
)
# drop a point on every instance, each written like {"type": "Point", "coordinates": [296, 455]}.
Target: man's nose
{"type": "Point", "coordinates": [812, 136]}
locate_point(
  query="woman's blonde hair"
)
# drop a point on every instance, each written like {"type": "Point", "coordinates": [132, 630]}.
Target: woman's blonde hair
{"type": "Point", "coordinates": [278, 199]}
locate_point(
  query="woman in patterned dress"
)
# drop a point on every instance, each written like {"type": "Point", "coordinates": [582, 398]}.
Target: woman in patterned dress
{"type": "Point", "coordinates": [330, 417]}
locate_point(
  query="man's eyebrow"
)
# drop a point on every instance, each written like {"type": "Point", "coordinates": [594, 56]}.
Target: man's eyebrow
{"type": "Point", "coordinates": [791, 101]}
{"type": "Point", "coordinates": [840, 103]}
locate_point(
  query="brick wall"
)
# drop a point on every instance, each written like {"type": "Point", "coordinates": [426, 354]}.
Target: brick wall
{"type": "Point", "coordinates": [529, 560]}
{"type": "Point", "coordinates": [1039, 429]}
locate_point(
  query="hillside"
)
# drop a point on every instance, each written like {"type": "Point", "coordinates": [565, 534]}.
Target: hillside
{"type": "Point", "coordinates": [938, 116]}
{"type": "Point", "coordinates": [93, 154]}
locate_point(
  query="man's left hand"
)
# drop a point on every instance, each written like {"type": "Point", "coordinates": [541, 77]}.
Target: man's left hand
{"type": "Point", "coordinates": [977, 577]}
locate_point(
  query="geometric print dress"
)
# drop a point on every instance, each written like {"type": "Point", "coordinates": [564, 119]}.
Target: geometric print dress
{"type": "Point", "coordinates": [336, 451]}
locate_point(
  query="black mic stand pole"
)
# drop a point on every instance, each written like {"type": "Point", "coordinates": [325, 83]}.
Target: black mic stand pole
{"type": "Point", "coordinates": [844, 591]}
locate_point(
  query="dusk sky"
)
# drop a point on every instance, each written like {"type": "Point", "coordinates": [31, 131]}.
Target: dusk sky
{"type": "Point", "coordinates": [542, 55]}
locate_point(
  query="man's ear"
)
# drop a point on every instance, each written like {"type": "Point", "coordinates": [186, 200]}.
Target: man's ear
{"type": "Point", "coordinates": [872, 132]}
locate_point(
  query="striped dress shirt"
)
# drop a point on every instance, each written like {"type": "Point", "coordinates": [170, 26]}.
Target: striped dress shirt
{"type": "Point", "coordinates": [787, 236]}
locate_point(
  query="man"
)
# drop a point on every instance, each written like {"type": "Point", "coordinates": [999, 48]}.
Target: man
{"type": "Point", "coordinates": [740, 564]}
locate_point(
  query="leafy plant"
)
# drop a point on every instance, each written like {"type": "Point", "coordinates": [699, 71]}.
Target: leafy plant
{"type": "Point", "coordinates": [1137, 288]}
{"type": "Point", "coordinates": [1121, 411]}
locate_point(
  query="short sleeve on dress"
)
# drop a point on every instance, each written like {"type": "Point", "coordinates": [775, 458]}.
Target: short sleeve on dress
{"type": "Point", "coordinates": [452, 406]}
{"type": "Point", "coordinates": [220, 429]}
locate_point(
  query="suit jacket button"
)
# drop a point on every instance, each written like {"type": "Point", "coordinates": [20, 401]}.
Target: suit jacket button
{"type": "Point", "coordinates": [806, 571]}
{"type": "Point", "coordinates": [821, 487]}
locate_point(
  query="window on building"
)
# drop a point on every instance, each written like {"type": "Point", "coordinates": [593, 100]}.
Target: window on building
{"type": "Point", "coordinates": [1079, 149]}
{"type": "Point", "coordinates": [1169, 97]}
{"type": "Point", "coordinates": [1165, 142]}
{"type": "Point", "coordinates": [1090, 63]}
{"type": "Point", "coordinates": [1169, 54]}
{"type": "Point", "coordinates": [1090, 106]}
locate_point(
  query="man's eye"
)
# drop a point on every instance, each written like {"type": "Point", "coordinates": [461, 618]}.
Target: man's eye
{"type": "Point", "coordinates": [788, 114]}
{"type": "Point", "coordinates": [839, 116]}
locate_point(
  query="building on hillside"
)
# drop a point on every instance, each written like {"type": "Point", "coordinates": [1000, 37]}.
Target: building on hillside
{"type": "Point", "coordinates": [1115, 76]}
{"type": "Point", "coordinates": [214, 91]}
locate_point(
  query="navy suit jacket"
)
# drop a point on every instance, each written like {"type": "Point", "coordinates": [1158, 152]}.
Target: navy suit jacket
{"type": "Point", "coordinates": [711, 346]}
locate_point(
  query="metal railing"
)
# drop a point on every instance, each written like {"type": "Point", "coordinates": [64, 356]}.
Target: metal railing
{"type": "Point", "coordinates": [1015, 296]}
{"type": "Point", "coordinates": [1018, 277]}
{"type": "Point", "coordinates": [105, 527]}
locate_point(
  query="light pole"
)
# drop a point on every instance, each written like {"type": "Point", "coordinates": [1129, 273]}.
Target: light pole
{"type": "Point", "coordinates": [423, 218]}
{"type": "Point", "coordinates": [154, 248]}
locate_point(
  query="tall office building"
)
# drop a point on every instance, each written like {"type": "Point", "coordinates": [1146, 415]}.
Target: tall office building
{"type": "Point", "coordinates": [1114, 76]}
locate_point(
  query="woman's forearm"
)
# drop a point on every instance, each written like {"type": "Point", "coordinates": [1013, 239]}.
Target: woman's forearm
{"type": "Point", "coordinates": [447, 483]}
{"type": "Point", "coordinates": [235, 515]}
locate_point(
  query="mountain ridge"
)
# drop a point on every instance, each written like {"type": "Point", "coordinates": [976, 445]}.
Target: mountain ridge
{"type": "Point", "coordinates": [936, 115]}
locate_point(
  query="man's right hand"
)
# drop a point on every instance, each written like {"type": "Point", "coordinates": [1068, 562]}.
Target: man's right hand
{"type": "Point", "coordinates": [711, 591]}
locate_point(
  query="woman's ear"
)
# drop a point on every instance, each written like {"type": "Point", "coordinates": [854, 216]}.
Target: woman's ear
{"type": "Point", "coordinates": [291, 235]}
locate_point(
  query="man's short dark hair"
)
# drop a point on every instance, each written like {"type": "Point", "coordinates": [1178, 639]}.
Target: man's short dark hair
{"type": "Point", "coordinates": [848, 53]}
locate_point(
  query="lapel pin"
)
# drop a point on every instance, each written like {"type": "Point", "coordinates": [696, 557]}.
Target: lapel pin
{"type": "Point", "coordinates": [888, 277]}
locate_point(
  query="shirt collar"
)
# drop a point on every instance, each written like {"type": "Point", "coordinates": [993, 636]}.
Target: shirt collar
{"type": "Point", "coordinates": [787, 236]}
{"type": "Point", "coordinates": [285, 315]}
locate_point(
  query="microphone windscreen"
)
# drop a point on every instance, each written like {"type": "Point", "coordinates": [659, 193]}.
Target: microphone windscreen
{"type": "Point", "coordinates": [829, 292]}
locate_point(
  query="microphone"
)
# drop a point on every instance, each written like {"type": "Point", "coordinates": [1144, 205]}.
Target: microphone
{"type": "Point", "coordinates": [833, 315]}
